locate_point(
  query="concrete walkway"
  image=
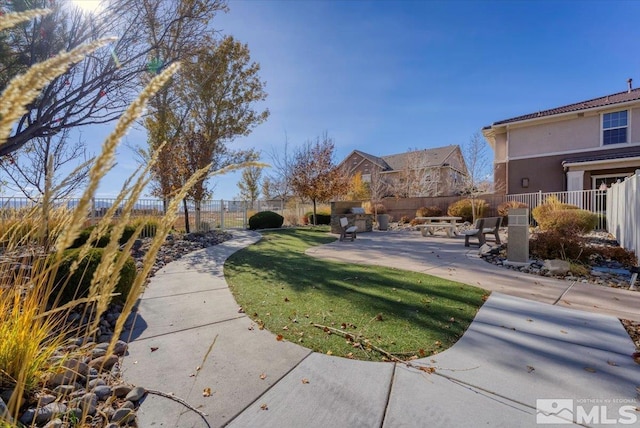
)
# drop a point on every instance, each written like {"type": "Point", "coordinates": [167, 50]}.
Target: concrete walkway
{"type": "Point", "coordinates": [189, 336]}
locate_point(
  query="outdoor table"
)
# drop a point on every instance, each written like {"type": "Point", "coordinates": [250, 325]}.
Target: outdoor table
{"type": "Point", "coordinates": [433, 223]}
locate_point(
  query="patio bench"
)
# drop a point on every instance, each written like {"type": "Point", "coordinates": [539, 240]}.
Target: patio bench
{"type": "Point", "coordinates": [484, 226]}
{"type": "Point", "coordinates": [346, 230]}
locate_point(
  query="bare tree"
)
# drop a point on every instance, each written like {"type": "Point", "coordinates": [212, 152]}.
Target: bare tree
{"type": "Point", "coordinates": [27, 169]}
{"type": "Point", "coordinates": [315, 175]}
{"type": "Point", "coordinates": [277, 184]}
{"type": "Point", "coordinates": [99, 88]}
{"type": "Point", "coordinates": [378, 188]}
{"type": "Point", "coordinates": [417, 178]}
{"type": "Point", "coordinates": [479, 164]}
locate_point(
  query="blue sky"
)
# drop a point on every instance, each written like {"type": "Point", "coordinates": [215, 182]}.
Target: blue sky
{"type": "Point", "coordinates": [386, 76]}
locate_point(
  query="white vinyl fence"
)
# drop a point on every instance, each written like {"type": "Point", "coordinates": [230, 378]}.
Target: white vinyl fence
{"type": "Point", "coordinates": [623, 212]}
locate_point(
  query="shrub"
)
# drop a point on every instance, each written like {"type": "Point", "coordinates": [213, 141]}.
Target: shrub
{"type": "Point", "coordinates": [127, 233]}
{"type": "Point", "coordinates": [265, 220]}
{"type": "Point", "coordinates": [428, 212]}
{"type": "Point", "coordinates": [84, 235]}
{"type": "Point", "coordinates": [321, 218]}
{"type": "Point", "coordinates": [551, 204]}
{"type": "Point", "coordinates": [503, 208]}
{"type": "Point", "coordinates": [380, 209]}
{"type": "Point", "coordinates": [569, 221]}
{"type": "Point", "coordinates": [77, 285]}
{"type": "Point", "coordinates": [150, 227]}
{"type": "Point", "coordinates": [625, 257]}
{"type": "Point", "coordinates": [556, 245]}
{"type": "Point", "coordinates": [404, 219]}
{"type": "Point", "coordinates": [291, 219]}
{"type": "Point", "coordinates": [463, 208]}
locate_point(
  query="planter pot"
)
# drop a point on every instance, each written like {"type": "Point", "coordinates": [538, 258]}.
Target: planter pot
{"type": "Point", "coordinates": [383, 221]}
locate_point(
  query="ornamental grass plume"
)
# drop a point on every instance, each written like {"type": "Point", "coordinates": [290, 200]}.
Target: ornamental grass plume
{"type": "Point", "coordinates": [34, 320]}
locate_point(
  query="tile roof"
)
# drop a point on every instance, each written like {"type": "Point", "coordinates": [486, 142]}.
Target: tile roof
{"type": "Point", "coordinates": [607, 100]}
{"type": "Point", "coordinates": [428, 157]}
{"type": "Point", "coordinates": [605, 156]}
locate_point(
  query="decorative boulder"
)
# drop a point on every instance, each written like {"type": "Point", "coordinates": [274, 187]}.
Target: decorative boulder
{"type": "Point", "coordinates": [557, 267]}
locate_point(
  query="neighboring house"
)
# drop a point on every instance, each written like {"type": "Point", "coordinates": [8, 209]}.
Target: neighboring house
{"type": "Point", "coordinates": [581, 146]}
{"type": "Point", "coordinates": [430, 172]}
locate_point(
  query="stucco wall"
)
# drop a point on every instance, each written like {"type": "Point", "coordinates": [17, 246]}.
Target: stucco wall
{"type": "Point", "coordinates": [500, 152]}
{"type": "Point", "coordinates": [635, 125]}
{"type": "Point", "coordinates": [554, 137]}
{"type": "Point", "coordinates": [548, 175]}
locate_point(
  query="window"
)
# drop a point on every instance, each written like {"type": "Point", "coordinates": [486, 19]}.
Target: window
{"type": "Point", "coordinates": [614, 127]}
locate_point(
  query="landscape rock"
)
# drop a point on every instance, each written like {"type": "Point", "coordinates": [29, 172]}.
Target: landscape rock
{"type": "Point", "coordinates": [54, 423]}
{"type": "Point", "coordinates": [123, 415]}
{"type": "Point", "coordinates": [77, 366]}
{"type": "Point", "coordinates": [104, 362]}
{"type": "Point", "coordinates": [102, 392]}
{"type": "Point", "coordinates": [121, 390]}
{"type": "Point", "coordinates": [484, 249]}
{"type": "Point", "coordinates": [136, 394]}
{"type": "Point", "coordinates": [557, 267]}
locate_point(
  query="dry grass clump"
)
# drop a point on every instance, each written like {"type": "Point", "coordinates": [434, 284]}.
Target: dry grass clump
{"type": "Point", "coordinates": [464, 208]}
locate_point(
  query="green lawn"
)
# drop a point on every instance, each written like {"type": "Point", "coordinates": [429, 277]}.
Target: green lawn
{"type": "Point", "coordinates": [403, 312]}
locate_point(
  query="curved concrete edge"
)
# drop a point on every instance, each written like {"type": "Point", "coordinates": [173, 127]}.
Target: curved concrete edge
{"type": "Point", "coordinates": [515, 352]}
{"type": "Point", "coordinates": [189, 337]}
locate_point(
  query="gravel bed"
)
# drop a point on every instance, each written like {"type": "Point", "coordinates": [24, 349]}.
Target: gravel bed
{"type": "Point", "coordinates": [90, 383]}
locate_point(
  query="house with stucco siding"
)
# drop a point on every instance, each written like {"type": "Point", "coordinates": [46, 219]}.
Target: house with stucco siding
{"type": "Point", "coordinates": [580, 146]}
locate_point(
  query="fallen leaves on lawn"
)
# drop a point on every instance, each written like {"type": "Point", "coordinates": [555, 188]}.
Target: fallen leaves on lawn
{"type": "Point", "coordinates": [329, 352]}
{"type": "Point", "coordinates": [263, 376]}
{"type": "Point", "coordinates": [305, 380]}
{"type": "Point", "coordinates": [612, 363]}
{"type": "Point", "coordinates": [206, 392]}
{"type": "Point", "coordinates": [563, 332]}
{"type": "Point", "coordinates": [279, 338]}
{"type": "Point", "coordinates": [530, 369]}
{"type": "Point", "coordinates": [427, 369]}
{"type": "Point", "coordinates": [590, 369]}
{"type": "Point", "coordinates": [264, 406]}
{"type": "Point", "coordinates": [154, 348]}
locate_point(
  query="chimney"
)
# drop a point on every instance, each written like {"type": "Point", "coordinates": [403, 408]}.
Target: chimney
{"type": "Point", "coordinates": [629, 80]}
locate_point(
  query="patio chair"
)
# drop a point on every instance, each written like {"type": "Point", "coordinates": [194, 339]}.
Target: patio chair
{"type": "Point", "coordinates": [346, 230]}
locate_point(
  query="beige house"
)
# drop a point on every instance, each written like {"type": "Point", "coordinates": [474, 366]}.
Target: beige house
{"type": "Point", "coordinates": [430, 172]}
{"type": "Point", "coordinates": [575, 147]}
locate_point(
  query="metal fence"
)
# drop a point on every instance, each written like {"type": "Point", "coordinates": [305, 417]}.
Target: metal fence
{"type": "Point", "coordinates": [590, 200]}
{"type": "Point", "coordinates": [204, 216]}
{"type": "Point", "coordinates": [225, 214]}
{"type": "Point", "coordinates": [207, 215]}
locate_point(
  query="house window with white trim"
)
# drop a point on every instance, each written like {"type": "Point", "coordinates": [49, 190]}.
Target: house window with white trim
{"type": "Point", "coordinates": [614, 127]}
